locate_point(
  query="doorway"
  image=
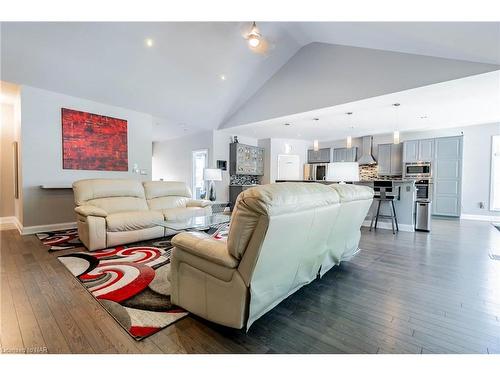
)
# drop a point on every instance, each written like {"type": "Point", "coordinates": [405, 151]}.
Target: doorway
{"type": "Point", "coordinates": [200, 162]}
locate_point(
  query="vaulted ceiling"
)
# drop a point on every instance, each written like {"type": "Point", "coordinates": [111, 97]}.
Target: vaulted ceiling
{"type": "Point", "coordinates": [178, 79]}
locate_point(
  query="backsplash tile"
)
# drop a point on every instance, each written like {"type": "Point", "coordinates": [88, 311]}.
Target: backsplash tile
{"type": "Point", "coordinates": [368, 172]}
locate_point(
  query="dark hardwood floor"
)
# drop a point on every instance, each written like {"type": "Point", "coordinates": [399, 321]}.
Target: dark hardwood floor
{"type": "Point", "coordinates": [408, 293]}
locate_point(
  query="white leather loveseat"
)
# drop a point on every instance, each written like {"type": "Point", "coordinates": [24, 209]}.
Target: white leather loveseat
{"type": "Point", "coordinates": [113, 212]}
{"type": "Point", "coordinates": [281, 236]}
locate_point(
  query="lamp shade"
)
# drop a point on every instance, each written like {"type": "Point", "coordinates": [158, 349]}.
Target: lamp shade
{"type": "Point", "coordinates": [212, 174]}
{"type": "Point", "coordinates": [343, 171]}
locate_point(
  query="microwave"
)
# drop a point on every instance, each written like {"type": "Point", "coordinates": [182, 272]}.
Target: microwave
{"type": "Point", "coordinates": [418, 170]}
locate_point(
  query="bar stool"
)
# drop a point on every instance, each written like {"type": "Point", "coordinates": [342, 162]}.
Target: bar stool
{"type": "Point", "coordinates": [382, 198]}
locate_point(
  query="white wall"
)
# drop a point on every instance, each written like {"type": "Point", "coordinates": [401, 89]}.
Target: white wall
{"type": "Point", "coordinates": [476, 160]}
{"type": "Point", "coordinates": [42, 152]}
{"type": "Point", "coordinates": [172, 159]}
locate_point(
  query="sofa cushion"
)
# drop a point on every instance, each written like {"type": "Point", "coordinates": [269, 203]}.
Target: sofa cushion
{"type": "Point", "coordinates": [132, 220]}
{"type": "Point", "coordinates": [156, 189]}
{"type": "Point", "coordinates": [173, 201]}
{"type": "Point", "coordinates": [86, 190]}
{"type": "Point", "coordinates": [183, 213]}
{"type": "Point", "coordinates": [114, 205]}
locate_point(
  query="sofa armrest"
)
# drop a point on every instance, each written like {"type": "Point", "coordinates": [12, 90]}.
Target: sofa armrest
{"type": "Point", "coordinates": [199, 203]}
{"type": "Point", "coordinates": [88, 210]}
{"type": "Point", "coordinates": [206, 247]}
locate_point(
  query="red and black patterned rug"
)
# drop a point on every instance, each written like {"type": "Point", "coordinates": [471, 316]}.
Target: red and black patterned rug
{"type": "Point", "coordinates": [60, 240]}
{"type": "Point", "coordinates": [132, 283]}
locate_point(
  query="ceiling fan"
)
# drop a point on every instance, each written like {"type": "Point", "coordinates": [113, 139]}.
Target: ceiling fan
{"type": "Point", "coordinates": [257, 43]}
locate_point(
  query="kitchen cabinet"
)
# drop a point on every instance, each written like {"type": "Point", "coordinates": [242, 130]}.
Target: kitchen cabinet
{"type": "Point", "coordinates": [426, 149]}
{"type": "Point", "coordinates": [246, 160]}
{"type": "Point", "coordinates": [345, 154]}
{"type": "Point", "coordinates": [320, 156]}
{"type": "Point", "coordinates": [390, 159]}
{"type": "Point", "coordinates": [447, 176]}
{"type": "Point", "coordinates": [418, 150]}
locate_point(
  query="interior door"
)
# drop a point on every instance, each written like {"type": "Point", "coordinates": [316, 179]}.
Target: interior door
{"type": "Point", "coordinates": [447, 176]}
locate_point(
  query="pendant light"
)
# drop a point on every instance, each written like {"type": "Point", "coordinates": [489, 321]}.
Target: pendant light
{"type": "Point", "coordinates": [395, 134]}
{"type": "Point", "coordinates": [316, 145]}
{"type": "Point", "coordinates": [254, 37]}
{"type": "Point", "coordinates": [349, 137]}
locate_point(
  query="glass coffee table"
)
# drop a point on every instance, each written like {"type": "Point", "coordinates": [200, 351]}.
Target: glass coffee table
{"type": "Point", "coordinates": [195, 223]}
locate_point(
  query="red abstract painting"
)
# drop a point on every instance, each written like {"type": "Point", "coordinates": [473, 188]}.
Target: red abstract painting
{"type": "Point", "coordinates": [93, 142]}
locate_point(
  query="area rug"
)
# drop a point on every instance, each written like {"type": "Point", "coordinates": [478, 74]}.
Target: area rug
{"type": "Point", "coordinates": [132, 283]}
{"type": "Point", "coordinates": [60, 240]}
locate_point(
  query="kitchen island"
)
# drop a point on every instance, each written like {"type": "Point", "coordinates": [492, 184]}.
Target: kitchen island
{"type": "Point", "coordinates": [404, 203]}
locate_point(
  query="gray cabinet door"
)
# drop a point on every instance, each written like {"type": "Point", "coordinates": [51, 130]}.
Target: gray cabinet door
{"type": "Point", "coordinates": [410, 151]}
{"type": "Point", "coordinates": [447, 176]}
{"type": "Point", "coordinates": [339, 154]}
{"type": "Point", "coordinates": [312, 156]}
{"type": "Point", "coordinates": [384, 159]}
{"type": "Point", "coordinates": [396, 159]}
{"type": "Point", "coordinates": [324, 155]}
{"type": "Point", "coordinates": [345, 154]}
{"type": "Point", "coordinates": [426, 149]}
{"type": "Point", "coordinates": [352, 154]}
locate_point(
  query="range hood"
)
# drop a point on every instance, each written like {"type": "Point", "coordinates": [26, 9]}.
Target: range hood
{"type": "Point", "coordinates": [366, 156]}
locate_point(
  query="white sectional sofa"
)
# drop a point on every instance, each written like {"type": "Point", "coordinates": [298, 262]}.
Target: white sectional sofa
{"type": "Point", "coordinates": [281, 236]}
{"type": "Point", "coordinates": [113, 212]}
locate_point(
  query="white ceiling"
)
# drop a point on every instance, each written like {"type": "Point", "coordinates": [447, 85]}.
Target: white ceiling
{"type": "Point", "coordinates": [467, 101]}
{"type": "Point", "coordinates": [177, 80]}
{"type": "Point", "coordinates": [470, 41]}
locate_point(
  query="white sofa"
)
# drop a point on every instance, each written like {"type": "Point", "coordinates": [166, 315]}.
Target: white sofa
{"type": "Point", "coordinates": [113, 212]}
{"type": "Point", "coordinates": [281, 237]}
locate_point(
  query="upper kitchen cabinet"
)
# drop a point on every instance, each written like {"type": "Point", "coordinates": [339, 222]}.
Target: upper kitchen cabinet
{"type": "Point", "coordinates": [345, 154]}
{"type": "Point", "coordinates": [246, 160]}
{"type": "Point", "coordinates": [418, 150]}
{"type": "Point", "coordinates": [426, 149]}
{"type": "Point", "coordinates": [390, 159]}
{"type": "Point", "coordinates": [320, 156]}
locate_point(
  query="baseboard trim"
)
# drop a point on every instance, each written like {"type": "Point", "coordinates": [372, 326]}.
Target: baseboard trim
{"type": "Point", "coordinates": [9, 223]}
{"type": "Point", "coordinates": [479, 217]}
{"type": "Point", "coordinates": [47, 228]}
{"type": "Point", "coordinates": [386, 225]}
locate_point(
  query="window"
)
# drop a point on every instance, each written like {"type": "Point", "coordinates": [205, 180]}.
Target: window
{"type": "Point", "coordinates": [200, 162]}
{"type": "Point", "coordinates": [495, 174]}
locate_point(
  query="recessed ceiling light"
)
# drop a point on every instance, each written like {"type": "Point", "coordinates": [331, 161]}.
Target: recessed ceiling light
{"type": "Point", "coordinates": [316, 119]}
{"type": "Point", "coordinates": [287, 124]}
{"type": "Point", "coordinates": [423, 117]}
{"type": "Point", "coordinates": [149, 42]}
{"type": "Point", "coordinates": [222, 77]}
